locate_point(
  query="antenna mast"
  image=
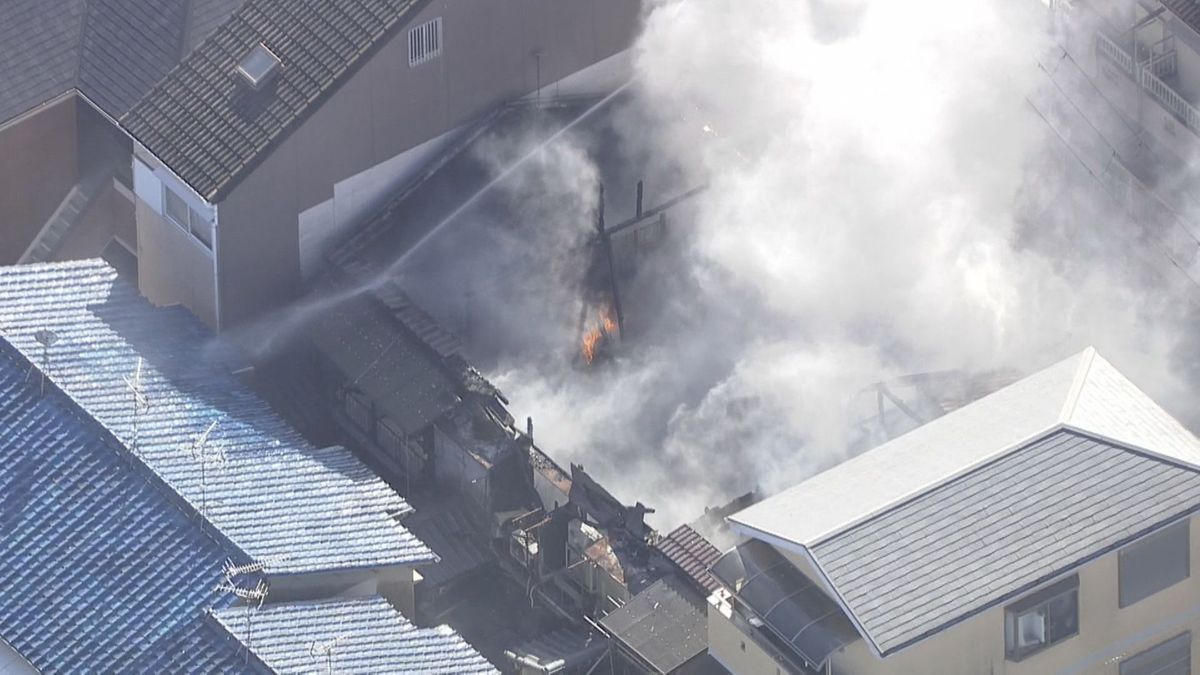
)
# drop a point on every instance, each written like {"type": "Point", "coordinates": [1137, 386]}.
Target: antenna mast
{"type": "Point", "coordinates": [325, 649]}
{"type": "Point", "coordinates": [46, 338]}
{"type": "Point", "coordinates": [204, 454]}
{"type": "Point", "coordinates": [141, 404]}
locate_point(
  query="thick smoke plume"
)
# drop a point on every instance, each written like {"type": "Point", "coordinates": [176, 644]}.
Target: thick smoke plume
{"type": "Point", "coordinates": [890, 192]}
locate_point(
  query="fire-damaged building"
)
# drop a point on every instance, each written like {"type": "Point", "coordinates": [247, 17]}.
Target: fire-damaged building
{"type": "Point", "coordinates": [541, 567]}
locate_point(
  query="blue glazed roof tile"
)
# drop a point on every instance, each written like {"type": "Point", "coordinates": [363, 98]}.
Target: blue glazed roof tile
{"type": "Point", "coordinates": [94, 553]}
{"type": "Point", "coordinates": [275, 497]}
{"type": "Point", "coordinates": [362, 635]}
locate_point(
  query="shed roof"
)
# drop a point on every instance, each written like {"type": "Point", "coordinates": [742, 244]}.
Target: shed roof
{"type": "Point", "coordinates": [211, 130]}
{"type": "Point", "coordinates": [276, 498]}
{"type": "Point", "coordinates": [665, 625]}
{"type": "Point", "coordinates": [102, 569]}
{"type": "Point", "coordinates": [382, 359]}
{"type": "Point", "coordinates": [366, 635]}
{"type": "Point", "coordinates": [113, 51]}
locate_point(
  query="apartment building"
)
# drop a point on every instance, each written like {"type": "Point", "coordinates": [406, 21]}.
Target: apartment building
{"type": "Point", "coordinates": [1046, 528]}
{"type": "Point", "coordinates": [284, 128]}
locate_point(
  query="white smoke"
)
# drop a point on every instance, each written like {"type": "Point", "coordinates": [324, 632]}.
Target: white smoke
{"type": "Point", "coordinates": [884, 199]}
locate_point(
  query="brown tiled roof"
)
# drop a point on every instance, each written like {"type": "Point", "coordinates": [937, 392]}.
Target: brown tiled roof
{"type": "Point", "coordinates": [692, 554]}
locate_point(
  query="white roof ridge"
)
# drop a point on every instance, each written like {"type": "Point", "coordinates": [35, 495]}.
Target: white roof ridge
{"type": "Point", "coordinates": [1086, 357]}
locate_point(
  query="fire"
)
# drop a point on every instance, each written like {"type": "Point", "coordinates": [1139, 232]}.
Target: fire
{"type": "Point", "coordinates": [605, 326]}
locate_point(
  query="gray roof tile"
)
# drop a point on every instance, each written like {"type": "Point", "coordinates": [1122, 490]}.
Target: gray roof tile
{"type": "Point", "coordinates": [113, 51]}
{"type": "Point", "coordinates": [211, 130]}
{"type": "Point", "coordinates": [1002, 528]}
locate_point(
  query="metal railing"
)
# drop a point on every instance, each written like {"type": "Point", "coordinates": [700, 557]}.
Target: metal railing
{"type": "Point", "coordinates": [1144, 76]}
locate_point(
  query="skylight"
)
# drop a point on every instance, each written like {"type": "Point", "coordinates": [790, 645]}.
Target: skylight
{"type": "Point", "coordinates": [258, 66]}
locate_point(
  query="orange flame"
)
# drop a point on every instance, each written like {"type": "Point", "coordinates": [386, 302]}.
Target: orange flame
{"type": "Point", "coordinates": [605, 325]}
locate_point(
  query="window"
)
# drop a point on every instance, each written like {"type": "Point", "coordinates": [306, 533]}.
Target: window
{"type": "Point", "coordinates": [1042, 619]}
{"type": "Point", "coordinates": [258, 66]}
{"type": "Point", "coordinates": [175, 208]}
{"type": "Point", "coordinates": [1173, 657]}
{"type": "Point", "coordinates": [424, 42]}
{"type": "Point", "coordinates": [1148, 566]}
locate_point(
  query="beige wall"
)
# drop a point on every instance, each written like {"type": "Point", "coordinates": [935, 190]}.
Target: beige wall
{"type": "Point", "coordinates": [386, 108]}
{"type": "Point", "coordinates": [172, 266]}
{"type": "Point", "coordinates": [38, 167]}
{"type": "Point", "coordinates": [1107, 633]}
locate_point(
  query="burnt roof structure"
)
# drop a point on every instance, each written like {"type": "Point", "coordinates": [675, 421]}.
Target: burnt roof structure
{"type": "Point", "coordinates": [112, 51]}
{"type": "Point", "coordinates": [212, 130]}
{"type": "Point", "coordinates": [693, 555]}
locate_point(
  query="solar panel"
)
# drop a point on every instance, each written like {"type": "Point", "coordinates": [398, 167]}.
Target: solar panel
{"type": "Point", "coordinates": [788, 603]}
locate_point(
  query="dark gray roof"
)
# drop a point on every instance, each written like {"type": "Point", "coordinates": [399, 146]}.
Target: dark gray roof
{"type": "Point", "coordinates": [561, 650]}
{"type": "Point", "coordinates": [211, 130]}
{"type": "Point", "coordinates": [383, 360]}
{"type": "Point", "coordinates": [998, 531]}
{"type": "Point", "coordinates": [664, 625]}
{"type": "Point", "coordinates": [113, 51]}
{"type": "Point", "coordinates": [446, 529]}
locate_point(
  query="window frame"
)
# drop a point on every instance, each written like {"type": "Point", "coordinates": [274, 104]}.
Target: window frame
{"type": "Point", "coordinates": [195, 221]}
{"type": "Point", "coordinates": [1030, 605]}
{"type": "Point", "coordinates": [1128, 550]}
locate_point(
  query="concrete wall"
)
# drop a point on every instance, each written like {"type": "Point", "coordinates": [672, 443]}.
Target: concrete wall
{"type": "Point", "coordinates": [1107, 634]}
{"type": "Point", "coordinates": [38, 167]}
{"type": "Point", "coordinates": [387, 108]}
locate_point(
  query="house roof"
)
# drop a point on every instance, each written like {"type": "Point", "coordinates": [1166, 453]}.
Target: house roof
{"type": "Point", "coordinates": [386, 362]}
{"type": "Point", "coordinates": [102, 568]}
{"type": "Point", "coordinates": [366, 635]}
{"type": "Point", "coordinates": [211, 130]}
{"type": "Point", "coordinates": [999, 531]}
{"type": "Point", "coordinates": [561, 650]}
{"type": "Point", "coordinates": [694, 555]}
{"type": "Point", "coordinates": [1083, 392]}
{"type": "Point", "coordinates": [113, 51]}
{"type": "Point", "coordinates": [276, 498]}
{"type": "Point", "coordinates": [665, 625]}
{"type": "Point", "coordinates": [988, 501]}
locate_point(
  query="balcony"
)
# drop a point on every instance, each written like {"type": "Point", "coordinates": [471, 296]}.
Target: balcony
{"type": "Point", "coordinates": [1153, 64]}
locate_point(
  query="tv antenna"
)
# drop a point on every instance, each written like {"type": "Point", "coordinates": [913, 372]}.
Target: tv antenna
{"type": "Point", "coordinates": [206, 454]}
{"type": "Point", "coordinates": [46, 338]}
{"type": "Point", "coordinates": [141, 404]}
{"type": "Point", "coordinates": [325, 649]}
{"type": "Point", "coordinates": [254, 596]}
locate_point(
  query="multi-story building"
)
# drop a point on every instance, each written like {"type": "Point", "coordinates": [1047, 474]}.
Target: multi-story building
{"type": "Point", "coordinates": [278, 133]}
{"type": "Point", "coordinates": [1046, 528]}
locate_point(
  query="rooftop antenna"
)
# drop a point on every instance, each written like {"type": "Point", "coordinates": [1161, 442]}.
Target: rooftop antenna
{"type": "Point", "coordinates": [141, 404]}
{"type": "Point", "coordinates": [325, 649]}
{"type": "Point", "coordinates": [254, 597]}
{"type": "Point", "coordinates": [46, 338]}
{"type": "Point", "coordinates": [205, 454]}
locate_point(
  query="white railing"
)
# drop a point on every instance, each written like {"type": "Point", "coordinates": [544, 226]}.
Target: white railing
{"type": "Point", "coordinates": [1143, 75]}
